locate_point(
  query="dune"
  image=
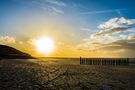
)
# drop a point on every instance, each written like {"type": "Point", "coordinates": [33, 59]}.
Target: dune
{"type": "Point", "coordinates": [7, 52]}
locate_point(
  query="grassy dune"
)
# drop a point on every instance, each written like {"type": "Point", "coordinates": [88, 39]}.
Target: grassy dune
{"type": "Point", "coordinates": [63, 74]}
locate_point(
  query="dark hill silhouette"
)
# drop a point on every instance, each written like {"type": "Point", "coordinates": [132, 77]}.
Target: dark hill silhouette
{"type": "Point", "coordinates": [7, 52]}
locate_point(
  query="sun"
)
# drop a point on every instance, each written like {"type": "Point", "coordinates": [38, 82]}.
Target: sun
{"type": "Point", "coordinates": [44, 45]}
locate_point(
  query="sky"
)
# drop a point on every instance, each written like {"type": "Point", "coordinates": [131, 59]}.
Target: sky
{"type": "Point", "coordinates": [87, 28]}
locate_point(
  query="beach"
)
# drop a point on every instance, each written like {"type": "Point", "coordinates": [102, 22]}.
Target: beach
{"type": "Point", "coordinates": [63, 74]}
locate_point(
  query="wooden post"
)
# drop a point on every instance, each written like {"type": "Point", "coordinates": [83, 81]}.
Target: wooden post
{"type": "Point", "coordinates": [0, 58]}
{"type": "Point", "coordinates": [80, 61]}
{"type": "Point", "coordinates": [92, 61]}
{"type": "Point", "coordinates": [101, 61]}
{"type": "Point", "coordinates": [128, 61]}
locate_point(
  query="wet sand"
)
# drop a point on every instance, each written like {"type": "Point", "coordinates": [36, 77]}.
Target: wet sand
{"type": "Point", "coordinates": [63, 74]}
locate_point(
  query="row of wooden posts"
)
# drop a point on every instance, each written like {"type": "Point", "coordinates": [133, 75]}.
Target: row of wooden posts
{"type": "Point", "coordinates": [104, 61]}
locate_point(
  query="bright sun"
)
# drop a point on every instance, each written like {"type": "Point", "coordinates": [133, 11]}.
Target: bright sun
{"type": "Point", "coordinates": [44, 45]}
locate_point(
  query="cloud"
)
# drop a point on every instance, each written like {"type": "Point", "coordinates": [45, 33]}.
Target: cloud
{"type": "Point", "coordinates": [116, 22]}
{"type": "Point", "coordinates": [117, 48]}
{"type": "Point", "coordinates": [85, 29]}
{"type": "Point", "coordinates": [31, 41]}
{"type": "Point", "coordinates": [51, 7]}
{"type": "Point", "coordinates": [20, 42]}
{"type": "Point", "coordinates": [56, 2]}
{"type": "Point", "coordinates": [122, 44]}
{"type": "Point", "coordinates": [104, 11]}
{"type": "Point", "coordinates": [131, 38]}
{"type": "Point", "coordinates": [7, 39]}
{"type": "Point", "coordinates": [55, 11]}
{"type": "Point", "coordinates": [114, 30]}
{"type": "Point", "coordinates": [115, 25]}
{"type": "Point", "coordinates": [125, 47]}
{"type": "Point", "coordinates": [115, 37]}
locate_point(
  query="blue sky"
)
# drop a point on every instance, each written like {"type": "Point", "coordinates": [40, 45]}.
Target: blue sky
{"type": "Point", "coordinates": [87, 12]}
{"type": "Point", "coordinates": [75, 20]}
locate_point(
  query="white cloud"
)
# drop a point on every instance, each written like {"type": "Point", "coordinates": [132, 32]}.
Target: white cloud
{"type": "Point", "coordinates": [116, 22]}
{"type": "Point", "coordinates": [117, 34]}
{"type": "Point", "coordinates": [115, 28]}
{"type": "Point", "coordinates": [109, 24]}
{"type": "Point", "coordinates": [123, 20]}
{"type": "Point", "coordinates": [7, 39]}
{"type": "Point", "coordinates": [104, 11]}
{"type": "Point", "coordinates": [54, 10]}
{"type": "Point", "coordinates": [56, 2]}
{"type": "Point", "coordinates": [85, 29]}
{"type": "Point", "coordinates": [51, 7]}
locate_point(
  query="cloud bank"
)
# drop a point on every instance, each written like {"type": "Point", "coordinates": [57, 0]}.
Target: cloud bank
{"type": "Point", "coordinates": [115, 25]}
{"type": "Point", "coordinates": [117, 35]}
{"type": "Point", "coordinates": [7, 39]}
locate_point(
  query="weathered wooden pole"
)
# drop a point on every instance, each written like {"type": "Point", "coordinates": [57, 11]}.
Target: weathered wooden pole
{"type": "Point", "coordinates": [80, 60]}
